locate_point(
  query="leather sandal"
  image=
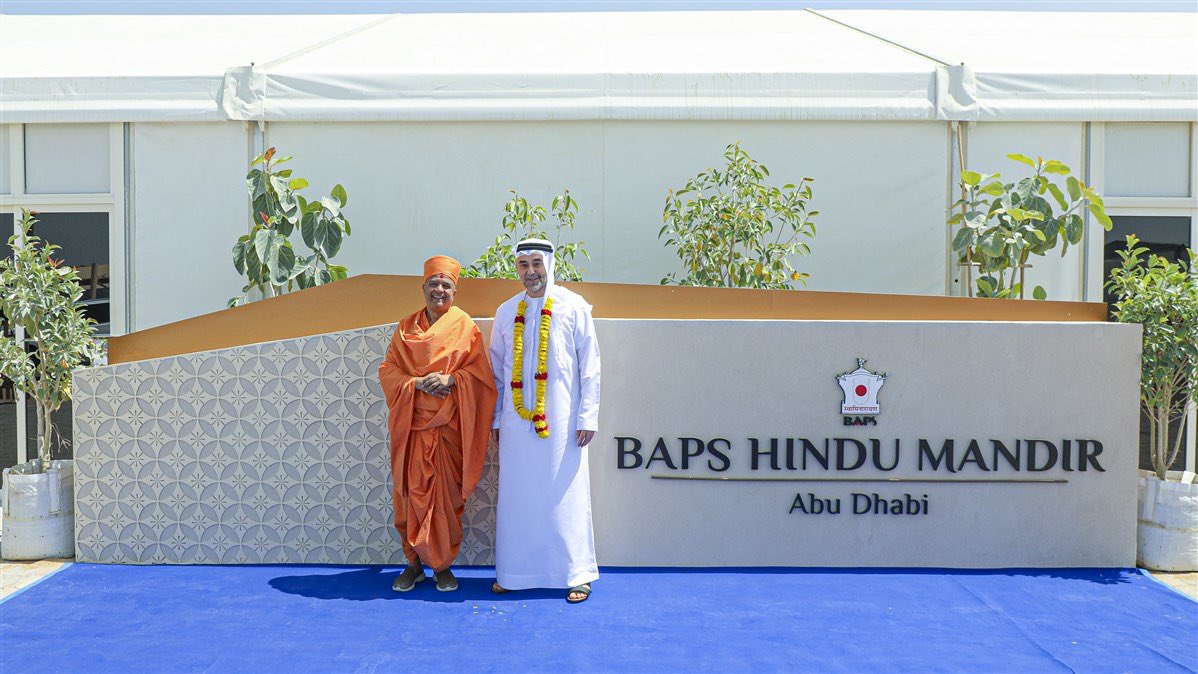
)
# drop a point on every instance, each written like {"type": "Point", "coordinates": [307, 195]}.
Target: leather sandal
{"type": "Point", "coordinates": [584, 589]}
{"type": "Point", "coordinates": [446, 581]}
{"type": "Point", "coordinates": [408, 579]}
{"type": "Point", "coordinates": [496, 588]}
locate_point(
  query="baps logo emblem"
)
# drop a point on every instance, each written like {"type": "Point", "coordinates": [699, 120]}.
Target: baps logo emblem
{"type": "Point", "coordinates": [860, 388]}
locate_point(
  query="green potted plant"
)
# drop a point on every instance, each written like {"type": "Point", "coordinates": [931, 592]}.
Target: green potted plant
{"type": "Point", "coordinates": [732, 230]}
{"type": "Point", "coordinates": [40, 298]}
{"type": "Point", "coordinates": [523, 220]}
{"type": "Point", "coordinates": [1162, 296]}
{"type": "Point", "coordinates": [265, 256]}
{"type": "Point", "coordinates": [1003, 225]}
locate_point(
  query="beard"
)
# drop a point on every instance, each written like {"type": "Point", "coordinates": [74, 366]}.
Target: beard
{"type": "Point", "coordinates": [535, 285]}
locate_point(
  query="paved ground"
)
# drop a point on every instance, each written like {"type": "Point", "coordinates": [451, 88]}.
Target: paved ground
{"type": "Point", "coordinates": [1185, 583]}
{"type": "Point", "coordinates": [16, 575]}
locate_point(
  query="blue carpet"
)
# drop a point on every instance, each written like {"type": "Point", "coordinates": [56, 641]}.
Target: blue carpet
{"type": "Point", "coordinates": [99, 618]}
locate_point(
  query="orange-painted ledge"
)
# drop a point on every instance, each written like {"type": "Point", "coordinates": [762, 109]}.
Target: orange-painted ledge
{"type": "Point", "coordinates": [376, 299]}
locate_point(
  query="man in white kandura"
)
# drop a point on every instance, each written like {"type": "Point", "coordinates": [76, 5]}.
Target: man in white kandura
{"type": "Point", "coordinates": [545, 357]}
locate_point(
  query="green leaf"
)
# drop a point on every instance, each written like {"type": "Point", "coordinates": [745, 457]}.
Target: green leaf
{"type": "Point", "coordinates": [984, 285]}
{"type": "Point", "coordinates": [308, 229]}
{"type": "Point", "coordinates": [991, 245]}
{"type": "Point", "coordinates": [964, 238]}
{"type": "Point", "coordinates": [1073, 228]}
{"type": "Point", "coordinates": [1022, 159]}
{"type": "Point", "coordinates": [1039, 293]}
{"type": "Point", "coordinates": [262, 243]}
{"type": "Point", "coordinates": [330, 205]}
{"type": "Point", "coordinates": [332, 241]}
{"type": "Point", "coordinates": [1092, 195]}
{"type": "Point", "coordinates": [1100, 215]}
{"type": "Point", "coordinates": [1074, 188]}
{"type": "Point", "coordinates": [1054, 166]}
{"type": "Point", "coordinates": [239, 256]}
{"type": "Point", "coordinates": [971, 178]}
{"type": "Point", "coordinates": [993, 189]}
{"type": "Point", "coordinates": [1056, 193]}
{"type": "Point", "coordinates": [340, 195]}
{"type": "Point", "coordinates": [281, 264]}
{"type": "Point", "coordinates": [297, 184]}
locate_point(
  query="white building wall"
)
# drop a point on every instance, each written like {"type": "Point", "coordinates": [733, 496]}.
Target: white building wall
{"type": "Point", "coordinates": [190, 205]}
{"type": "Point", "coordinates": [879, 188]}
{"type": "Point", "coordinates": [416, 189]}
{"type": "Point", "coordinates": [421, 189]}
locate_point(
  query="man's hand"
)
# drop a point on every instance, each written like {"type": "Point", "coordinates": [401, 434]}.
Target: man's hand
{"type": "Point", "coordinates": [436, 384]}
{"type": "Point", "coordinates": [584, 437]}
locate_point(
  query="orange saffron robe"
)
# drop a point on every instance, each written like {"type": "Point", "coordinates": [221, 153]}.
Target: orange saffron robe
{"type": "Point", "coordinates": [438, 445]}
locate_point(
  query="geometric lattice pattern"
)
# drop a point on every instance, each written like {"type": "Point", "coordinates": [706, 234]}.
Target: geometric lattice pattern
{"type": "Point", "coordinates": [260, 454]}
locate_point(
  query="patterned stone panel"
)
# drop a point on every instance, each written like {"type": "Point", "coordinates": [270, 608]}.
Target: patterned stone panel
{"type": "Point", "coordinates": [269, 453]}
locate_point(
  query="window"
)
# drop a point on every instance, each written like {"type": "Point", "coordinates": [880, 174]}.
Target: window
{"type": "Point", "coordinates": [72, 176]}
{"type": "Point", "coordinates": [83, 238]}
{"type": "Point", "coordinates": [1146, 159]}
{"type": "Point", "coordinates": [66, 159]}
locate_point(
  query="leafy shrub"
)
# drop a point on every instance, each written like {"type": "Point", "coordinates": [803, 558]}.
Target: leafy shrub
{"type": "Point", "coordinates": [736, 231]}
{"type": "Point", "coordinates": [522, 220]}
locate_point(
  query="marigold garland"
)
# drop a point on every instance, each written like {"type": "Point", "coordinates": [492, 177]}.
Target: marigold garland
{"type": "Point", "coordinates": [537, 414]}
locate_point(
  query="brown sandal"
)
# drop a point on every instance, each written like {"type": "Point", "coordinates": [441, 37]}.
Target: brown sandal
{"type": "Point", "coordinates": [496, 588]}
{"type": "Point", "coordinates": [584, 590]}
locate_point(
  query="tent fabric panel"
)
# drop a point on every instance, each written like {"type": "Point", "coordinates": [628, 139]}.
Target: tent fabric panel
{"type": "Point", "coordinates": [250, 94]}
{"type": "Point", "coordinates": [189, 195]}
{"type": "Point", "coordinates": [157, 46]}
{"type": "Point", "coordinates": [1019, 97]}
{"type": "Point", "coordinates": [579, 43]}
{"type": "Point", "coordinates": [35, 100]}
{"type": "Point", "coordinates": [797, 65]}
{"type": "Point", "coordinates": [1063, 43]}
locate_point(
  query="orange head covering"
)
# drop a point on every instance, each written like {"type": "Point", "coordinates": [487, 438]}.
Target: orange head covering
{"type": "Point", "coordinates": [442, 264]}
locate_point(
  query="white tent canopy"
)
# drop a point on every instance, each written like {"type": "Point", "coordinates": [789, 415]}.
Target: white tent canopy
{"type": "Point", "coordinates": [775, 65]}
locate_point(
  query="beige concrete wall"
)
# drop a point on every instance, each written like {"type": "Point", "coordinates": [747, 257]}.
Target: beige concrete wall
{"type": "Point", "coordinates": [277, 452]}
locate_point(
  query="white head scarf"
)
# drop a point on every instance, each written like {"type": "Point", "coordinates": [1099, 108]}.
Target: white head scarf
{"type": "Point", "coordinates": [530, 247]}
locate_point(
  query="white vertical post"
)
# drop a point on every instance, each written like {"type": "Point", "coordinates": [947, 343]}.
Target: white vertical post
{"type": "Point", "coordinates": [16, 159]}
{"type": "Point", "coordinates": [1092, 242]}
{"type": "Point", "coordinates": [1191, 449]}
{"type": "Point", "coordinates": [16, 181]}
{"type": "Point", "coordinates": [117, 290]}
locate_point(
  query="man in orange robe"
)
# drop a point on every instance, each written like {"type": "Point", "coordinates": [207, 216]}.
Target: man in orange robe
{"type": "Point", "coordinates": [441, 397]}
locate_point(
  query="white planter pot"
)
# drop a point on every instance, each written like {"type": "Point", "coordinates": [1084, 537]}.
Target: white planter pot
{"type": "Point", "coordinates": [39, 512]}
{"type": "Point", "coordinates": [1167, 533]}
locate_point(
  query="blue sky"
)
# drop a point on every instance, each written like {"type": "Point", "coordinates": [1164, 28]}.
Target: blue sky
{"type": "Point", "coordinates": [413, 6]}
